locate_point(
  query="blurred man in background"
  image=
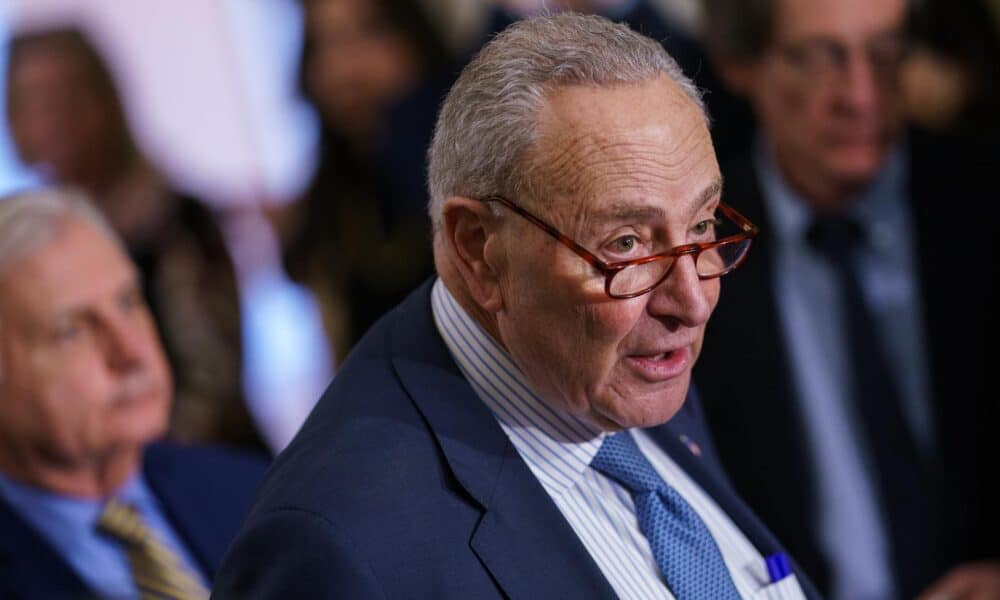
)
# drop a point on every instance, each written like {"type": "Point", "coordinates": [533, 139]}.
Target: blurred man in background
{"type": "Point", "coordinates": [845, 370]}
{"type": "Point", "coordinates": [67, 121]}
{"type": "Point", "coordinates": [89, 505]}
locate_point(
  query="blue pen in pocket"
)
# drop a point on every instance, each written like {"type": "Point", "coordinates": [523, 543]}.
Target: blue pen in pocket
{"type": "Point", "coordinates": [777, 566]}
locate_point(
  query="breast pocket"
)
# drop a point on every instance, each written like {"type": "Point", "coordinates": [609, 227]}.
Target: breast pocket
{"type": "Point", "coordinates": [786, 589]}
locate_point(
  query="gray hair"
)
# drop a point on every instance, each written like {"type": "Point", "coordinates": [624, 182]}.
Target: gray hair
{"type": "Point", "coordinates": [488, 122]}
{"type": "Point", "coordinates": [29, 220]}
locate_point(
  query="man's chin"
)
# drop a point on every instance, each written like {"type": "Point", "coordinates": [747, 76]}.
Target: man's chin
{"type": "Point", "coordinates": [856, 166]}
{"type": "Point", "coordinates": [641, 412]}
{"type": "Point", "coordinates": [144, 421]}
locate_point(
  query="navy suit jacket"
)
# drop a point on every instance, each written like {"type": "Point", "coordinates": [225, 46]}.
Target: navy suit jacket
{"type": "Point", "coordinates": [204, 493]}
{"type": "Point", "coordinates": [402, 484]}
{"type": "Point", "coordinates": [745, 378]}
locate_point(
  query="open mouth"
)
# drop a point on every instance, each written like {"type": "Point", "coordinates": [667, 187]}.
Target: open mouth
{"type": "Point", "coordinates": [661, 366]}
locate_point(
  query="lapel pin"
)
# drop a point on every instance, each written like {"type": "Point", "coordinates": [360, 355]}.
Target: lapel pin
{"type": "Point", "coordinates": [691, 445]}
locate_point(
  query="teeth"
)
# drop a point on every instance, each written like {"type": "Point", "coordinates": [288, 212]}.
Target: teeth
{"type": "Point", "coordinates": [660, 356]}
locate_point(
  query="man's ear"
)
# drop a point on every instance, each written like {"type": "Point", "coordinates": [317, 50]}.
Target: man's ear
{"type": "Point", "coordinates": [470, 228]}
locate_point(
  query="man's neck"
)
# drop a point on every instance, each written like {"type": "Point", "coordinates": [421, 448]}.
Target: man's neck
{"type": "Point", "coordinates": [823, 194]}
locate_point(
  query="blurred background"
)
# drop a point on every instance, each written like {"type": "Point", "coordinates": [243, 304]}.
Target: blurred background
{"type": "Point", "coordinates": [264, 159]}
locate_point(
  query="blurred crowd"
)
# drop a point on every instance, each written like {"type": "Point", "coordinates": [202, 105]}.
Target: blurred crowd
{"type": "Point", "coordinates": [358, 237]}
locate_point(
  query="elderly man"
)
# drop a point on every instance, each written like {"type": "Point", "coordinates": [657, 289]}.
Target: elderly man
{"type": "Point", "coordinates": [500, 434]}
{"type": "Point", "coordinates": [87, 506]}
{"type": "Point", "coordinates": [845, 374]}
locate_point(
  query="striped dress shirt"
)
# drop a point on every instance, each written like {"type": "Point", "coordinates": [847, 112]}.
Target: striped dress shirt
{"type": "Point", "coordinates": [558, 448]}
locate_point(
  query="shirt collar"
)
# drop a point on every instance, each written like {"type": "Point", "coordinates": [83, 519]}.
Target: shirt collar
{"type": "Point", "coordinates": [65, 517]}
{"type": "Point", "coordinates": [557, 446]}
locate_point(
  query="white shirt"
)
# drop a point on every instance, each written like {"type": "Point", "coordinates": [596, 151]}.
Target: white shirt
{"type": "Point", "coordinates": [559, 447]}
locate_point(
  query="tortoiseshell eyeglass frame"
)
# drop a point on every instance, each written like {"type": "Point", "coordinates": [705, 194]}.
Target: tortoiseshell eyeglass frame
{"type": "Point", "coordinates": [748, 232]}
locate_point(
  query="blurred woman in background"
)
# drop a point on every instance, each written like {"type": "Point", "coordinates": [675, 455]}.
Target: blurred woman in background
{"type": "Point", "coordinates": [375, 70]}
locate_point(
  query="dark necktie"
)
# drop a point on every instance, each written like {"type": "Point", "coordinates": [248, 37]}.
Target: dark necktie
{"type": "Point", "coordinates": [899, 473]}
{"type": "Point", "coordinates": [685, 551]}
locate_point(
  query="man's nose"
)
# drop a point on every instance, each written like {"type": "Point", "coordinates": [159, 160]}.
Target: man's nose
{"type": "Point", "coordinates": [683, 296]}
{"type": "Point", "coordinates": [124, 345]}
{"type": "Point", "coordinates": [859, 86]}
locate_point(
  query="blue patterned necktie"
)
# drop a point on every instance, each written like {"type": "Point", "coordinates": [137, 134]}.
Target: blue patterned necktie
{"type": "Point", "coordinates": [685, 551]}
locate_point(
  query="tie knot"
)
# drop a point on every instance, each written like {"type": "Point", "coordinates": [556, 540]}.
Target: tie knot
{"type": "Point", "coordinates": [620, 459]}
{"type": "Point", "coordinates": [835, 236]}
{"type": "Point", "coordinates": [123, 522]}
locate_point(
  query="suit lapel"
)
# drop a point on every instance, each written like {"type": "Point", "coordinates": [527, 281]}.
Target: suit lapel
{"type": "Point", "coordinates": [183, 509]}
{"type": "Point", "coordinates": [29, 567]}
{"type": "Point", "coordinates": [710, 478]}
{"type": "Point", "coordinates": [522, 538]}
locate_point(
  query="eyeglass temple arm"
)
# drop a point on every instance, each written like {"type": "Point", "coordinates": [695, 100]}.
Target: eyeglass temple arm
{"type": "Point", "coordinates": [585, 254]}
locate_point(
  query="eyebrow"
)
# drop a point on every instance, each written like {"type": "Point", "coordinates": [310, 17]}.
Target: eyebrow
{"type": "Point", "coordinates": [72, 311]}
{"type": "Point", "coordinates": [629, 212]}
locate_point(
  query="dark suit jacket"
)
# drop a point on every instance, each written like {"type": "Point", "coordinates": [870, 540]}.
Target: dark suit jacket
{"type": "Point", "coordinates": [204, 493]}
{"type": "Point", "coordinates": [746, 383]}
{"type": "Point", "coordinates": [402, 484]}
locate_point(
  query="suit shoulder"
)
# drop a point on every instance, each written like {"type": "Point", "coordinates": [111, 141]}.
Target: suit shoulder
{"type": "Point", "coordinates": [319, 558]}
{"type": "Point", "coordinates": [354, 445]}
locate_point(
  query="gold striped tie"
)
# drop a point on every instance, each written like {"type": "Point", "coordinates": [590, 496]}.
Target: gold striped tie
{"type": "Point", "coordinates": [158, 571]}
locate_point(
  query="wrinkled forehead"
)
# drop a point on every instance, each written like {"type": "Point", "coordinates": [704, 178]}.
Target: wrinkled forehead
{"type": "Point", "coordinates": [836, 19]}
{"type": "Point", "coordinates": [75, 267]}
{"type": "Point", "coordinates": [613, 143]}
{"type": "Point", "coordinates": [596, 111]}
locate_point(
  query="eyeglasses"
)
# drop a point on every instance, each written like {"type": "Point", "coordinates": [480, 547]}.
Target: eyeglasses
{"type": "Point", "coordinates": [820, 59]}
{"type": "Point", "coordinates": [632, 278]}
